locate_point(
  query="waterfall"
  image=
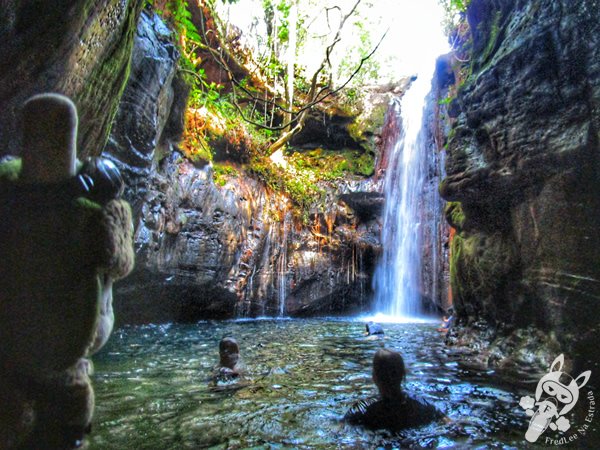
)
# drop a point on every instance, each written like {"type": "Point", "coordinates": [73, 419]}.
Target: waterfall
{"type": "Point", "coordinates": [396, 281]}
{"type": "Point", "coordinates": [409, 197]}
{"type": "Point", "coordinates": [282, 264]}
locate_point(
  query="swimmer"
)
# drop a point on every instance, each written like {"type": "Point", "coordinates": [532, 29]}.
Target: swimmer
{"type": "Point", "coordinates": [231, 366]}
{"type": "Point", "coordinates": [447, 321]}
{"type": "Point", "coordinates": [374, 331]}
{"type": "Point", "coordinates": [394, 409]}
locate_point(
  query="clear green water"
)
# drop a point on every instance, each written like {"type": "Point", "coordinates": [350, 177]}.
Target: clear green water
{"type": "Point", "coordinates": [153, 391]}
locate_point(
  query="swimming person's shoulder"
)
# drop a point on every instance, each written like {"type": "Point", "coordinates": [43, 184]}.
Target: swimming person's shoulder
{"type": "Point", "coordinates": [395, 409]}
{"type": "Point", "coordinates": [358, 411]}
{"type": "Point", "coordinates": [397, 414]}
{"type": "Point", "coordinates": [419, 411]}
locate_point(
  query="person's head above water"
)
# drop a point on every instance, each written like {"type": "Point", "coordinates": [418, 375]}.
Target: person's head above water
{"type": "Point", "coordinates": [388, 372]}
{"type": "Point", "coordinates": [229, 352]}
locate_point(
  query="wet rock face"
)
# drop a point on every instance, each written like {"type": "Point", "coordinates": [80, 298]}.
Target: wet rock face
{"type": "Point", "coordinates": [219, 252]}
{"type": "Point", "coordinates": [77, 48]}
{"type": "Point", "coordinates": [524, 163]}
{"type": "Point", "coordinates": [207, 251]}
{"type": "Point", "coordinates": [142, 123]}
{"type": "Point", "coordinates": [367, 205]}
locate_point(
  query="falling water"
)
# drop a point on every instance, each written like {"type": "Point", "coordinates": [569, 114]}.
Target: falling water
{"type": "Point", "coordinates": [282, 264]}
{"type": "Point", "coordinates": [397, 281]}
{"type": "Point", "coordinates": [397, 276]}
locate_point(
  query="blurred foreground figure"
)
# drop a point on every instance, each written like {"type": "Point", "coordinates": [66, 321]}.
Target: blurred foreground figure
{"type": "Point", "coordinates": [65, 236]}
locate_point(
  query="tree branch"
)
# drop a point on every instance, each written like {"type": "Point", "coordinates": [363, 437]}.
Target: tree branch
{"type": "Point", "coordinates": [314, 96]}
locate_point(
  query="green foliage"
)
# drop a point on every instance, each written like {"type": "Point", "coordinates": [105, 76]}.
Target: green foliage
{"type": "Point", "coordinates": [446, 100]}
{"type": "Point", "coordinates": [202, 93]}
{"type": "Point", "coordinates": [455, 215]}
{"type": "Point", "coordinates": [182, 18]}
{"type": "Point", "coordinates": [352, 94]}
{"type": "Point", "coordinates": [201, 155]}
{"type": "Point", "coordinates": [307, 169]}
{"type": "Point", "coordinates": [177, 14]}
{"type": "Point", "coordinates": [300, 182]}
{"type": "Point", "coordinates": [205, 94]}
{"type": "Point", "coordinates": [364, 164]}
{"type": "Point", "coordinates": [457, 284]}
{"type": "Point", "coordinates": [222, 172]}
{"type": "Point", "coordinates": [10, 169]}
{"type": "Point", "coordinates": [284, 33]}
{"type": "Point", "coordinates": [214, 130]}
{"type": "Point", "coordinates": [459, 5]}
{"type": "Point", "coordinates": [349, 63]}
{"type": "Point", "coordinates": [329, 165]}
{"type": "Point", "coordinates": [493, 39]}
{"type": "Point", "coordinates": [452, 7]}
{"type": "Point", "coordinates": [300, 187]}
{"type": "Point", "coordinates": [454, 12]}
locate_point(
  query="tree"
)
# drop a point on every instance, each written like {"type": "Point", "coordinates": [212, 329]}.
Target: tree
{"type": "Point", "coordinates": [288, 109]}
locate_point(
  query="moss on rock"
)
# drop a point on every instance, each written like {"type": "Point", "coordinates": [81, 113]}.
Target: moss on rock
{"type": "Point", "coordinates": [481, 266]}
{"type": "Point", "coordinates": [10, 168]}
{"type": "Point", "coordinates": [455, 215]}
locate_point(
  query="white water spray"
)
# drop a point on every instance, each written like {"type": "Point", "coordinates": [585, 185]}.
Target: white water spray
{"type": "Point", "coordinates": [282, 264]}
{"type": "Point", "coordinates": [398, 276]}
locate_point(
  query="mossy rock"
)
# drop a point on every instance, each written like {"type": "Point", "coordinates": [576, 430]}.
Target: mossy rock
{"type": "Point", "coordinates": [480, 266]}
{"type": "Point", "coordinates": [56, 246]}
{"type": "Point", "coordinates": [10, 168]}
{"type": "Point", "coordinates": [455, 215]}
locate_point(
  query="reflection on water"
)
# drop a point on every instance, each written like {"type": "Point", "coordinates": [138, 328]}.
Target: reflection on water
{"type": "Point", "coordinates": [152, 389]}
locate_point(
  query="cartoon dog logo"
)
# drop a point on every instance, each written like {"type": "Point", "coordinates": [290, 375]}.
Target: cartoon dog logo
{"type": "Point", "coordinates": [556, 394]}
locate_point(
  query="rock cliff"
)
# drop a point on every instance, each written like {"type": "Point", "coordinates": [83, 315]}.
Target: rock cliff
{"type": "Point", "coordinates": [523, 178]}
{"type": "Point", "coordinates": [77, 48]}
{"type": "Point", "coordinates": [233, 248]}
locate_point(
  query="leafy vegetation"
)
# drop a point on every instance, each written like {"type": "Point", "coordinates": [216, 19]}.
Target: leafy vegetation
{"type": "Point", "coordinates": [237, 121]}
{"type": "Point", "coordinates": [454, 22]}
{"type": "Point", "coordinates": [302, 181]}
{"type": "Point", "coordinates": [177, 14]}
{"type": "Point", "coordinates": [329, 165]}
{"type": "Point", "coordinates": [459, 34]}
{"type": "Point", "coordinates": [299, 185]}
{"type": "Point", "coordinates": [455, 215]}
{"type": "Point", "coordinates": [493, 39]}
{"type": "Point", "coordinates": [10, 169]}
{"type": "Point", "coordinates": [453, 8]}
{"type": "Point", "coordinates": [222, 172]}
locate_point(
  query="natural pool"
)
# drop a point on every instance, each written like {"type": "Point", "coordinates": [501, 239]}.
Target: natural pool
{"type": "Point", "coordinates": [152, 389]}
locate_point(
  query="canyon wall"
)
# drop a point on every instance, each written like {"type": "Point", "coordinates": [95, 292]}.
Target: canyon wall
{"type": "Point", "coordinates": [77, 48]}
{"type": "Point", "coordinates": [232, 248]}
{"type": "Point", "coordinates": [523, 179]}
{"type": "Point", "coordinates": [204, 248]}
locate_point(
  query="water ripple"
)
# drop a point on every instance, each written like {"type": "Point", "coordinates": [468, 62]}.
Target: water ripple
{"type": "Point", "coordinates": [152, 389]}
